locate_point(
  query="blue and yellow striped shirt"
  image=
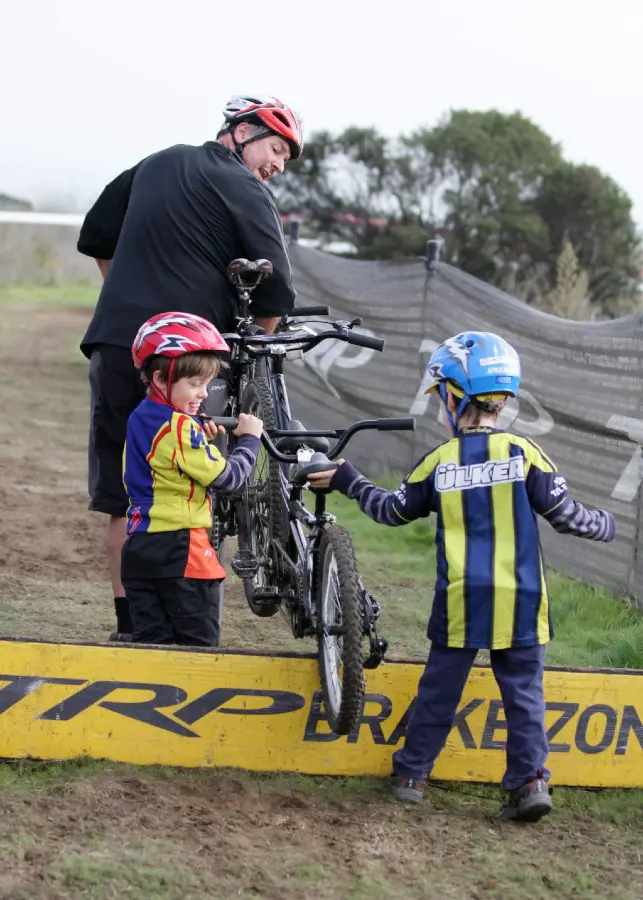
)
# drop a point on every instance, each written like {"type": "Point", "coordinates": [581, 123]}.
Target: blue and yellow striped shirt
{"type": "Point", "coordinates": [486, 487]}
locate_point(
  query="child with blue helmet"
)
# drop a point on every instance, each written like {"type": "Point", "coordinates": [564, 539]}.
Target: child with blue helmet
{"type": "Point", "coordinates": [486, 487]}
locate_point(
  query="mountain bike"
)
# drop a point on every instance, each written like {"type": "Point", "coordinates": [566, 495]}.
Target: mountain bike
{"type": "Point", "coordinates": [294, 559]}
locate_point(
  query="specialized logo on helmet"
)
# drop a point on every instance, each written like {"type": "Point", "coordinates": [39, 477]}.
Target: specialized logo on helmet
{"type": "Point", "coordinates": [176, 342]}
{"type": "Point", "coordinates": [459, 352]}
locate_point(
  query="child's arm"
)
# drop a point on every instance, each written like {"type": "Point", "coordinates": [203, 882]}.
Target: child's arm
{"type": "Point", "coordinates": [205, 464]}
{"type": "Point", "coordinates": [548, 496]}
{"type": "Point", "coordinates": [238, 465]}
{"type": "Point", "coordinates": [412, 500]}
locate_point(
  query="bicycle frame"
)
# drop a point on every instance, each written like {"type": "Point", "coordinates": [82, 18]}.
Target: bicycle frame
{"type": "Point", "coordinates": [294, 565]}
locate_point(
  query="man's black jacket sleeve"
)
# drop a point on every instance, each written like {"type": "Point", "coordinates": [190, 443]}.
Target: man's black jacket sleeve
{"type": "Point", "coordinates": [102, 226]}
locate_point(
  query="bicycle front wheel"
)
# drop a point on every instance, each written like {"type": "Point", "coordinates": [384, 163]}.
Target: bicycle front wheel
{"type": "Point", "coordinates": [260, 512]}
{"type": "Point", "coordinates": [340, 616]}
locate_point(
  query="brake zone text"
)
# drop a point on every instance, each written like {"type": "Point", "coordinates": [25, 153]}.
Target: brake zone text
{"type": "Point", "coordinates": [590, 729]}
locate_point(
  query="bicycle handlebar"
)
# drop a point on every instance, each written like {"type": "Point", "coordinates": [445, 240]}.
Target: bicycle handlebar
{"type": "Point", "coordinates": [363, 340]}
{"type": "Point", "coordinates": [259, 344]}
{"type": "Point", "coordinates": [227, 422]}
{"type": "Point", "coordinates": [401, 424]}
{"type": "Point", "coordinates": [343, 435]}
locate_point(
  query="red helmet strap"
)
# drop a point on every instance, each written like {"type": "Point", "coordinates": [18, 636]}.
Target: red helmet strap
{"type": "Point", "coordinates": [170, 375]}
{"type": "Point", "coordinates": [165, 397]}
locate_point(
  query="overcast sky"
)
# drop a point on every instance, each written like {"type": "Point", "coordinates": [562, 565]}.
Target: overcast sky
{"type": "Point", "coordinates": [88, 89]}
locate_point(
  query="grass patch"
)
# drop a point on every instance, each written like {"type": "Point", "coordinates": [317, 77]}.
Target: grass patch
{"type": "Point", "coordinates": [593, 628]}
{"type": "Point", "coordinates": [92, 875]}
{"type": "Point", "coordinates": [79, 293]}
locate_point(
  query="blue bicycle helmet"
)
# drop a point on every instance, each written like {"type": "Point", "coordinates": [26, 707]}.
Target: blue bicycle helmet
{"type": "Point", "coordinates": [476, 365]}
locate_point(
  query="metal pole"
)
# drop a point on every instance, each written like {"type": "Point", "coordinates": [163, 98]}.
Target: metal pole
{"type": "Point", "coordinates": [433, 247]}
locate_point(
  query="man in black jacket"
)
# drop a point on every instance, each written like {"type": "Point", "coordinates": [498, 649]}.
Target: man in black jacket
{"type": "Point", "coordinates": [162, 234]}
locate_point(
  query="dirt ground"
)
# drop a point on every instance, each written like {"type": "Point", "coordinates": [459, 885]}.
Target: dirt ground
{"type": "Point", "coordinates": [104, 831]}
{"type": "Point", "coordinates": [110, 832]}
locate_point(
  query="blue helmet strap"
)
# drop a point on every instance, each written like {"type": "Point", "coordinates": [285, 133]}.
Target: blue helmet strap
{"type": "Point", "coordinates": [461, 406]}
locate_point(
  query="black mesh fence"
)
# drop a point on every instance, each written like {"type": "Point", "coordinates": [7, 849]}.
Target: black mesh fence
{"type": "Point", "coordinates": [581, 395]}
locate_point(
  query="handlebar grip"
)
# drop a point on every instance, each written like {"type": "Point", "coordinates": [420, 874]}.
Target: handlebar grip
{"type": "Point", "coordinates": [404, 424]}
{"type": "Point", "coordinates": [363, 340]}
{"type": "Point", "coordinates": [229, 422]}
{"type": "Point", "coordinates": [310, 311]}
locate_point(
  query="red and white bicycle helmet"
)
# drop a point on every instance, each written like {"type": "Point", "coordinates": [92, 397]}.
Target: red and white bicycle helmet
{"type": "Point", "coordinates": [175, 334]}
{"type": "Point", "coordinates": [269, 112]}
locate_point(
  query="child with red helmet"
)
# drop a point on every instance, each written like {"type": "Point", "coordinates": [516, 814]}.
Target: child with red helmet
{"type": "Point", "coordinates": [169, 568]}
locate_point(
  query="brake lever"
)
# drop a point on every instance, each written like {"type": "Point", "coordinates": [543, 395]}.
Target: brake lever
{"type": "Point", "coordinates": [347, 326]}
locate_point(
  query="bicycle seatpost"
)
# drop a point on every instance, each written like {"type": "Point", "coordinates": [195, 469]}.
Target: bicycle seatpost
{"type": "Point", "coordinates": [246, 275]}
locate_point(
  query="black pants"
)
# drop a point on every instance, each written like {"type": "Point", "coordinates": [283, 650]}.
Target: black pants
{"type": "Point", "coordinates": [174, 611]}
{"type": "Point", "coordinates": [519, 675]}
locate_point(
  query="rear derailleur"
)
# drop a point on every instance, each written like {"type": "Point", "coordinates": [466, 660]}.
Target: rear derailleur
{"type": "Point", "coordinates": [371, 613]}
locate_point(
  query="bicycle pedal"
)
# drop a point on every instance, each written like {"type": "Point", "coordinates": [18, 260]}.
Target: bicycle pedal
{"type": "Point", "coordinates": [266, 593]}
{"type": "Point", "coordinates": [244, 564]}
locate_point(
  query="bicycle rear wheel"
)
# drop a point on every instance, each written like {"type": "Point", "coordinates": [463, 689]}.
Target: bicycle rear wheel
{"type": "Point", "coordinates": [339, 609]}
{"type": "Point", "coordinates": [260, 511]}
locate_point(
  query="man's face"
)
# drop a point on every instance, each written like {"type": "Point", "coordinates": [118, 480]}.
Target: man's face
{"type": "Point", "coordinates": [265, 157]}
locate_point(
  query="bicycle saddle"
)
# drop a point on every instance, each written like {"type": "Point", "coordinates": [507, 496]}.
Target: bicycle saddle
{"type": "Point", "coordinates": [292, 444]}
{"type": "Point", "coordinates": [318, 462]}
{"type": "Point", "coordinates": [249, 273]}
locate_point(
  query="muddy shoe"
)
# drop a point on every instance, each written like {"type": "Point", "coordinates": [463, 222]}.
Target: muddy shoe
{"type": "Point", "coordinates": [408, 790]}
{"type": "Point", "coordinates": [529, 803]}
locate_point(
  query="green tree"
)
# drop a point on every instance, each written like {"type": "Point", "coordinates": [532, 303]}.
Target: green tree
{"type": "Point", "coordinates": [581, 205]}
{"type": "Point", "coordinates": [490, 166]}
{"type": "Point", "coordinates": [339, 186]}
{"type": "Point", "coordinates": [494, 185]}
{"type": "Point", "coordinates": [569, 297]}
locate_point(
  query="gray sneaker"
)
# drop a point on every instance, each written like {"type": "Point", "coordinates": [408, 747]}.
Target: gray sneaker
{"type": "Point", "coordinates": [408, 790]}
{"type": "Point", "coordinates": [528, 803]}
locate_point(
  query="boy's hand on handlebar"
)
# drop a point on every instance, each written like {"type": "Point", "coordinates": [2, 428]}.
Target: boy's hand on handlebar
{"type": "Point", "coordinates": [248, 425]}
{"type": "Point", "coordinates": [211, 430]}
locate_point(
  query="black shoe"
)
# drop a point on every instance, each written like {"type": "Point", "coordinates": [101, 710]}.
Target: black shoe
{"type": "Point", "coordinates": [528, 803]}
{"type": "Point", "coordinates": [408, 790]}
{"type": "Point", "coordinates": [121, 636]}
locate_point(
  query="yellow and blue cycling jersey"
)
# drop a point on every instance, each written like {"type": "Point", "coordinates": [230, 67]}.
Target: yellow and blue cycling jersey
{"type": "Point", "coordinates": [486, 487]}
{"type": "Point", "coordinates": [168, 466]}
{"type": "Point", "coordinates": [169, 471]}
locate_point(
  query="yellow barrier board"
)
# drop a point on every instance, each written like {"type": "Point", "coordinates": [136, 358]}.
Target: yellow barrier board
{"type": "Point", "coordinates": [168, 707]}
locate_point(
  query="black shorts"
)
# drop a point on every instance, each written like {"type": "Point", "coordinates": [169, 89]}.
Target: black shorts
{"type": "Point", "coordinates": [116, 389]}
{"type": "Point", "coordinates": [174, 611]}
